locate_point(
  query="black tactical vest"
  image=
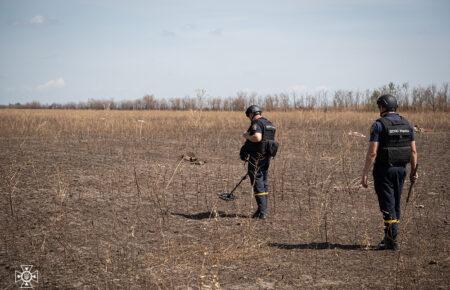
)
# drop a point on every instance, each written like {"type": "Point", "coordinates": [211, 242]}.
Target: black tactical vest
{"type": "Point", "coordinates": [268, 129]}
{"type": "Point", "coordinates": [394, 148]}
{"type": "Point", "coordinates": [268, 134]}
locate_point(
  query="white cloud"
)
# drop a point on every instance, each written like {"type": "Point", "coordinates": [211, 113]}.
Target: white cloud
{"type": "Point", "coordinates": [52, 84]}
{"type": "Point", "coordinates": [188, 26]}
{"type": "Point", "coordinates": [38, 20]}
{"type": "Point", "coordinates": [217, 32]}
{"type": "Point", "coordinates": [168, 33]}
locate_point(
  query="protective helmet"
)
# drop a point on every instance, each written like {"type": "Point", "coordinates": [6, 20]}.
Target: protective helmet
{"type": "Point", "coordinates": [388, 101]}
{"type": "Point", "coordinates": [253, 109]}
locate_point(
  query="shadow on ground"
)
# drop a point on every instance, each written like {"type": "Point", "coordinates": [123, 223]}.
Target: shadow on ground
{"type": "Point", "coordinates": [209, 215]}
{"type": "Point", "coordinates": [319, 246]}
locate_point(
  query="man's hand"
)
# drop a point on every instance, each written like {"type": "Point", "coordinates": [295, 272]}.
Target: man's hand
{"type": "Point", "coordinates": [414, 165]}
{"type": "Point", "coordinates": [413, 177]}
{"type": "Point", "coordinates": [364, 181]}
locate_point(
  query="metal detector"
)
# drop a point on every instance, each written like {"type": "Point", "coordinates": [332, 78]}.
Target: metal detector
{"type": "Point", "coordinates": [229, 196]}
{"type": "Point", "coordinates": [412, 184]}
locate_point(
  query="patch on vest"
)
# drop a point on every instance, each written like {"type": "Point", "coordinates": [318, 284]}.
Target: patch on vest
{"type": "Point", "coordinates": [254, 127]}
{"type": "Point", "coordinates": [398, 131]}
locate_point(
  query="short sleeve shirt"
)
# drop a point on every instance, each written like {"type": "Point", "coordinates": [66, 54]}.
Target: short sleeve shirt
{"type": "Point", "coordinates": [377, 128]}
{"type": "Point", "coordinates": [255, 127]}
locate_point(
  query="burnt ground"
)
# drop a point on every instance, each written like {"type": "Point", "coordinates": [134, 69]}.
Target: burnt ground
{"type": "Point", "coordinates": [100, 200]}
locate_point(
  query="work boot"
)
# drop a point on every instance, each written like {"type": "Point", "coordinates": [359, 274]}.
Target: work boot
{"type": "Point", "coordinates": [390, 236]}
{"type": "Point", "coordinates": [259, 215]}
{"type": "Point", "coordinates": [387, 244]}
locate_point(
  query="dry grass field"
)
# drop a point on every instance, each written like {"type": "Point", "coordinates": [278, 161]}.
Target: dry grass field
{"type": "Point", "coordinates": [102, 199]}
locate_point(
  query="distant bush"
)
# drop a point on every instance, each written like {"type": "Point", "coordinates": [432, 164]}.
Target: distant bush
{"type": "Point", "coordinates": [430, 98]}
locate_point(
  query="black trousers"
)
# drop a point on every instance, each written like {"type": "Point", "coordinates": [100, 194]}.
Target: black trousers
{"type": "Point", "coordinates": [258, 171]}
{"type": "Point", "coordinates": [388, 181]}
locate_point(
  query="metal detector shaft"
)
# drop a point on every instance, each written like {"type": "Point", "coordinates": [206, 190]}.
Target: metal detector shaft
{"type": "Point", "coordinates": [412, 184]}
{"type": "Point", "coordinates": [239, 183]}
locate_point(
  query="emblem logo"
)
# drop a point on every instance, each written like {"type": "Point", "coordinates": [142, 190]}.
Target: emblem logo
{"type": "Point", "coordinates": [26, 277]}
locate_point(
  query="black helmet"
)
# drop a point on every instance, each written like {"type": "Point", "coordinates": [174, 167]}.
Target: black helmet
{"type": "Point", "coordinates": [388, 101]}
{"type": "Point", "coordinates": [253, 109]}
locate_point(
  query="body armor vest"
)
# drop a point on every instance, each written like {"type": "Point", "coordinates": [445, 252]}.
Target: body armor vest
{"type": "Point", "coordinates": [395, 143]}
{"type": "Point", "coordinates": [268, 134]}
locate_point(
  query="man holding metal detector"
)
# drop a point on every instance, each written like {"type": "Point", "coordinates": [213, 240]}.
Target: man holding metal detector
{"type": "Point", "coordinates": [259, 148]}
{"type": "Point", "coordinates": [391, 147]}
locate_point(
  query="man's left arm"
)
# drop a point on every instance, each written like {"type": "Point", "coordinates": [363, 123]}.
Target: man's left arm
{"type": "Point", "coordinates": [254, 134]}
{"type": "Point", "coordinates": [256, 137]}
{"type": "Point", "coordinates": [371, 155]}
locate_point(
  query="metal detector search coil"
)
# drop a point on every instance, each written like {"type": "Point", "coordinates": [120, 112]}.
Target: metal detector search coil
{"type": "Point", "coordinates": [229, 196]}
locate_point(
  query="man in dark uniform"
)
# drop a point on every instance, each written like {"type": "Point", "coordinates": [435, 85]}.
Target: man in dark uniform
{"type": "Point", "coordinates": [260, 131]}
{"type": "Point", "coordinates": [391, 147]}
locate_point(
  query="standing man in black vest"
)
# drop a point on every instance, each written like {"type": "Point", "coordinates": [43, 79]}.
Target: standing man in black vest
{"type": "Point", "coordinates": [391, 147]}
{"type": "Point", "coordinates": [260, 131]}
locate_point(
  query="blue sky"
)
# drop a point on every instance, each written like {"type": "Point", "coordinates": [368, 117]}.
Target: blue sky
{"type": "Point", "coordinates": [60, 51]}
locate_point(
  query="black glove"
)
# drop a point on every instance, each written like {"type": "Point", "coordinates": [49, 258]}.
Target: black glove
{"type": "Point", "coordinates": [243, 153]}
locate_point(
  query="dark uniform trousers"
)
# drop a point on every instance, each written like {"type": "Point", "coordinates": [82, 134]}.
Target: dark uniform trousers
{"type": "Point", "coordinates": [388, 181]}
{"type": "Point", "coordinates": [258, 170]}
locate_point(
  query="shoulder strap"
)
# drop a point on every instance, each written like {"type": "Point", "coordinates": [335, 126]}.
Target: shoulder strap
{"type": "Point", "coordinates": [385, 122]}
{"type": "Point", "coordinates": [405, 121]}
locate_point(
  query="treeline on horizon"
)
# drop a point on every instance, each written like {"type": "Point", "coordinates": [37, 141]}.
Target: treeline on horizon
{"type": "Point", "coordinates": [430, 98]}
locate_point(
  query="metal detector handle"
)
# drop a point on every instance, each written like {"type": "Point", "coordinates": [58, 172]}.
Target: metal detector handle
{"type": "Point", "coordinates": [239, 183]}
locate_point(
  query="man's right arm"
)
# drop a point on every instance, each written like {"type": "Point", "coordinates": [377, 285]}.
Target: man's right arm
{"type": "Point", "coordinates": [370, 158]}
